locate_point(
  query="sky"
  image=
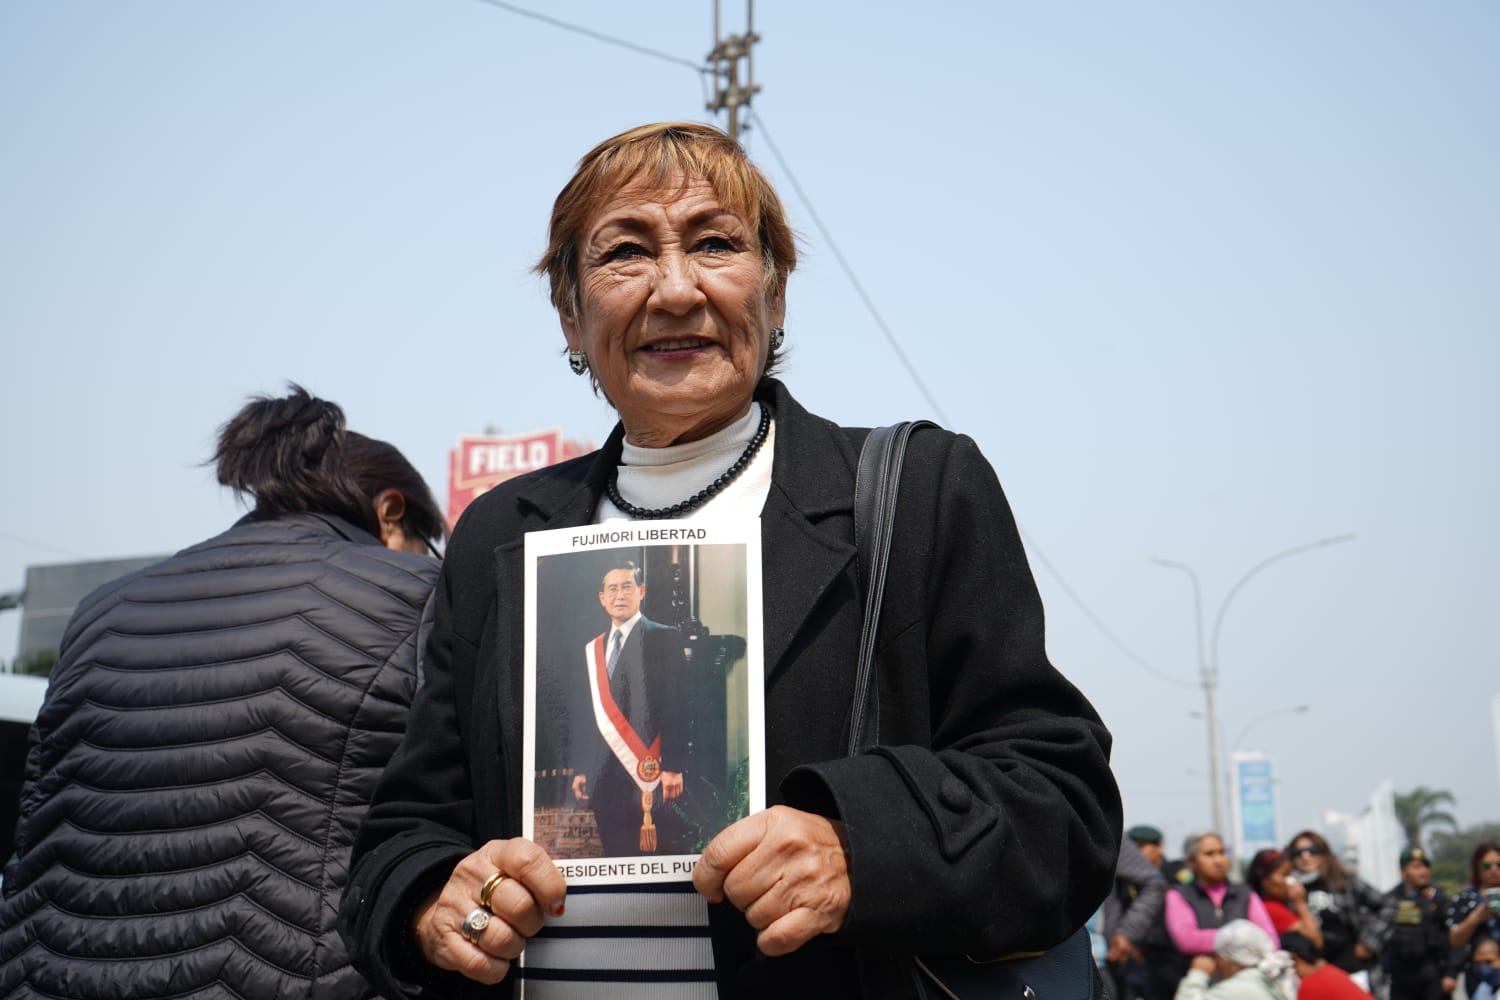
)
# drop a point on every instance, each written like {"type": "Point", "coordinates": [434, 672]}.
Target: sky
{"type": "Point", "coordinates": [1206, 282]}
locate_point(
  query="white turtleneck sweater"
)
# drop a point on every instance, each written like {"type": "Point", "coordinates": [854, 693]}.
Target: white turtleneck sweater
{"type": "Point", "coordinates": [660, 477]}
{"type": "Point", "coordinates": [649, 942]}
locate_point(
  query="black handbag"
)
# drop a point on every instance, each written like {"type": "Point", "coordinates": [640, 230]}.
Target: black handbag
{"type": "Point", "coordinates": [1064, 972]}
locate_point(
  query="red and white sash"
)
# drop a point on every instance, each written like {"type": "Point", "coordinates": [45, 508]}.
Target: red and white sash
{"type": "Point", "coordinates": [643, 763]}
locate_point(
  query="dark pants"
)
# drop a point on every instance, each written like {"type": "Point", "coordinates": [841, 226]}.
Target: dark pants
{"type": "Point", "coordinates": [1156, 979]}
{"type": "Point", "coordinates": [617, 811]}
{"type": "Point", "coordinates": [1424, 985]}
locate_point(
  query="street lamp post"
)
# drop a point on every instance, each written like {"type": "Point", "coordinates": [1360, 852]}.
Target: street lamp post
{"type": "Point", "coordinates": [1208, 659]}
{"type": "Point", "coordinates": [1293, 710]}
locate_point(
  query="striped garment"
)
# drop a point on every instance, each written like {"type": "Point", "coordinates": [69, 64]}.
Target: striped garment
{"type": "Point", "coordinates": [648, 942]}
{"type": "Point", "coordinates": [644, 941]}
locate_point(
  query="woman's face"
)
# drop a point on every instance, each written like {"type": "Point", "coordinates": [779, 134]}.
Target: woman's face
{"type": "Point", "coordinates": [673, 311]}
{"type": "Point", "coordinates": [1489, 878]}
{"type": "Point", "coordinates": [1210, 865]}
{"type": "Point", "coordinates": [1306, 856]}
{"type": "Point", "coordinates": [1275, 884]}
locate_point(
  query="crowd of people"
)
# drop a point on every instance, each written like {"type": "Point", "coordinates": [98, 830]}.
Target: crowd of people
{"type": "Point", "coordinates": [1299, 927]}
{"type": "Point", "coordinates": [288, 761]}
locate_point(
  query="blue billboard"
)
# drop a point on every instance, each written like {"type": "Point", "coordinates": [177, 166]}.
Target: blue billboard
{"type": "Point", "coordinates": [1254, 779]}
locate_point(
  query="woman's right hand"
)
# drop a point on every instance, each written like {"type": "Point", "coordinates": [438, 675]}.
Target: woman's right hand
{"type": "Point", "coordinates": [532, 888]}
{"type": "Point", "coordinates": [1463, 930]}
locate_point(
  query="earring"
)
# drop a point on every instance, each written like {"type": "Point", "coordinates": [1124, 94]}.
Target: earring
{"type": "Point", "coordinates": [578, 361]}
{"type": "Point", "coordinates": [778, 335]}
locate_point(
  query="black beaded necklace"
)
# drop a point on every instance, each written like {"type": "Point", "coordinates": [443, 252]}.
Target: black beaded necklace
{"type": "Point", "coordinates": [612, 488]}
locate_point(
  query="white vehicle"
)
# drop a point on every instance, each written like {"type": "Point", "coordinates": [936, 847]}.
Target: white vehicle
{"type": "Point", "coordinates": [20, 700]}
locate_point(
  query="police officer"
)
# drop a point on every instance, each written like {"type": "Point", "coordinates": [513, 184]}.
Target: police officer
{"type": "Point", "coordinates": [1132, 913]}
{"type": "Point", "coordinates": [1156, 966]}
{"type": "Point", "coordinates": [1414, 940]}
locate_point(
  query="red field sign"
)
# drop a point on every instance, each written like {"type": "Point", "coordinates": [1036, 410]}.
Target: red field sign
{"type": "Point", "coordinates": [481, 461]}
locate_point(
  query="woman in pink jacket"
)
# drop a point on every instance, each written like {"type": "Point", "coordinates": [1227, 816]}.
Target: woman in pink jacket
{"type": "Point", "coordinates": [1196, 910]}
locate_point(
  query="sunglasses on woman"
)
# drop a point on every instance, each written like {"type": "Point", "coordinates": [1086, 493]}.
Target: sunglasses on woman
{"type": "Point", "coordinates": [1298, 852]}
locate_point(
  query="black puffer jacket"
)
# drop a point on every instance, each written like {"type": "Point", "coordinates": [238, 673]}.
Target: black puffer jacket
{"type": "Point", "coordinates": [210, 738]}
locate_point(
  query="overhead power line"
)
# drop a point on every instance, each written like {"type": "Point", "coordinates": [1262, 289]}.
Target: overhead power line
{"type": "Point", "coordinates": [838, 255]}
{"type": "Point", "coordinates": [729, 58]}
{"type": "Point", "coordinates": [911, 371]}
{"type": "Point", "coordinates": [1098, 622]}
{"type": "Point", "coordinates": [597, 36]}
{"type": "Point", "coordinates": [42, 545]}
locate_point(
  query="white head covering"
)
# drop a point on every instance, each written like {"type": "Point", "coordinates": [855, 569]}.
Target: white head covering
{"type": "Point", "coordinates": [1245, 944]}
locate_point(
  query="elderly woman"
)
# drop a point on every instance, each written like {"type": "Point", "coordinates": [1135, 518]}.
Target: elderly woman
{"type": "Point", "coordinates": [987, 821]}
{"type": "Point", "coordinates": [1248, 966]}
{"type": "Point", "coordinates": [1196, 910]}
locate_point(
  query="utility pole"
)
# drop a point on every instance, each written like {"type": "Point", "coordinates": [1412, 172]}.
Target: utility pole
{"type": "Point", "coordinates": [1208, 657]}
{"type": "Point", "coordinates": [730, 94]}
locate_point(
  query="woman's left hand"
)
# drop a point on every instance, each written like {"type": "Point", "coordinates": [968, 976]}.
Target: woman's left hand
{"type": "Point", "coordinates": [526, 885]}
{"type": "Point", "coordinates": [787, 870]}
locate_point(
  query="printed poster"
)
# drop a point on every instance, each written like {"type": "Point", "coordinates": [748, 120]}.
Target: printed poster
{"type": "Point", "coordinates": [644, 689]}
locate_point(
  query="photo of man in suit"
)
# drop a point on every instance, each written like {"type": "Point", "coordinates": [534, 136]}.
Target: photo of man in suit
{"type": "Point", "coordinates": [637, 680]}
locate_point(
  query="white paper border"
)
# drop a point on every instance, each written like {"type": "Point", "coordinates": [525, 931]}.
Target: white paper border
{"type": "Point", "coordinates": [634, 534]}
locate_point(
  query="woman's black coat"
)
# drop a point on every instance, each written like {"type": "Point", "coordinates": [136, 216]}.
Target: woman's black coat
{"type": "Point", "coordinates": [987, 821]}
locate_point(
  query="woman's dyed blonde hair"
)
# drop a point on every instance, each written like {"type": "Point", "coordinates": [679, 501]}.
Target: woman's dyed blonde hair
{"type": "Point", "coordinates": [653, 156]}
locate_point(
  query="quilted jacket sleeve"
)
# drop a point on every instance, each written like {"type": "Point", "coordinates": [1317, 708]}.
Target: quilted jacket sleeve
{"type": "Point", "coordinates": [420, 824]}
{"type": "Point", "coordinates": [1150, 897]}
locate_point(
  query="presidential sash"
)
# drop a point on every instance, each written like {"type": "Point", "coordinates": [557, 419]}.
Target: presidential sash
{"type": "Point", "coordinates": [641, 762]}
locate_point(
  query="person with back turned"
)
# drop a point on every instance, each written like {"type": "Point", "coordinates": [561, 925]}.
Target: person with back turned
{"type": "Point", "coordinates": [214, 727]}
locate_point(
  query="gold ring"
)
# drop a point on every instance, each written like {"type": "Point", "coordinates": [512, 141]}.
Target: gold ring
{"type": "Point", "coordinates": [488, 889]}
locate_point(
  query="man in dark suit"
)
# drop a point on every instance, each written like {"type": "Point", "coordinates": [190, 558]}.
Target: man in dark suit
{"type": "Point", "coordinates": [637, 678]}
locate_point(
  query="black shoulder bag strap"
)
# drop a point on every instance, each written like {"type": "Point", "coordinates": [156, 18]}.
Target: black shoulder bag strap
{"type": "Point", "coordinates": [876, 485]}
{"type": "Point", "coordinates": [1066, 972]}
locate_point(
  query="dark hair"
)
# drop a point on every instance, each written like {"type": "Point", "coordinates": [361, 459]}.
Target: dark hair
{"type": "Point", "coordinates": [1485, 847]}
{"type": "Point", "coordinates": [1260, 868]}
{"type": "Point", "coordinates": [611, 566]}
{"type": "Point", "coordinates": [293, 454]}
{"type": "Point", "coordinates": [1333, 870]}
{"type": "Point", "coordinates": [378, 466]}
{"type": "Point", "coordinates": [1301, 946]}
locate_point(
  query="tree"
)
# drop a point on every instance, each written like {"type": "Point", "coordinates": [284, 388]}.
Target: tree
{"type": "Point", "coordinates": [1451, 853]}
{"type": "Point", "coordinates": [38, 664]}
{"type": "Point", "coordinates": [1456, 847]}
{"type": "Point", "coordinates": [1421, 808]}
